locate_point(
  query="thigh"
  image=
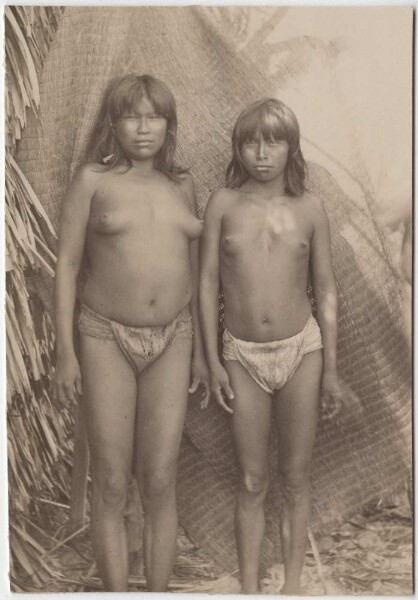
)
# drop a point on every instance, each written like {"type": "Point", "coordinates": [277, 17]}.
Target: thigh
{"type": "Point", "coordinates": [162, 401]}
{"type": "Point", "coordinates": [250, 421]}
{"type": "Point", "coordinates": [296, 408]}
{"type": "Point", "coordinates": [109, 402]}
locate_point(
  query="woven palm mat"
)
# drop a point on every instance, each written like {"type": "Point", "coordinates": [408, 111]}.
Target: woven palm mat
{"type": "Point", "coordinates": [355, 460]}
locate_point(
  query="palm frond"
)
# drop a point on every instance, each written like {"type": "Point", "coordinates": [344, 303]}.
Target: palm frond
{"type": "Point", "coordinates": [37, 432]}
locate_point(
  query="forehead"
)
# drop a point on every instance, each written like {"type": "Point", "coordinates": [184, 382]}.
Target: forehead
{"type": "Point", "coordinates": [263, 124]}
{"type": "Point", "coordinates": [142, 105]}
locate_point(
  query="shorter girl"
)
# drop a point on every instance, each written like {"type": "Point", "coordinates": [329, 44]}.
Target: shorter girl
{"type": "Point", "coordinates": [263, 234]}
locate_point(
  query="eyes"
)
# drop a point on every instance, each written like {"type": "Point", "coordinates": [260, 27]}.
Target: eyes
{"type": "Point", "coordinates": [271, 143]}
{"type": "Point", "coordinates": [135, 119]}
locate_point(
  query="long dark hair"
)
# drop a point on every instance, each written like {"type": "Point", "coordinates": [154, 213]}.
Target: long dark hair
{"type": "Point", "coordinates": [120, 96]}
{"type": "Point", "coordinates": [273, 120]}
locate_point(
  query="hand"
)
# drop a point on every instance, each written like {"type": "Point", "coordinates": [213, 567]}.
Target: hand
{"type": "Point", "coordinates": [67, 382]}
{"type": "Point", "coordinates": [200, 377]}
{"type": "Point", "coordinates": [331, 396]}
{"type": "Point", "coordinates": [219, 385]}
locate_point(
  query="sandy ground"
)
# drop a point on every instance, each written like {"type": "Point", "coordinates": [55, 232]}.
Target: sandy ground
{"type": "Point", "coordinates": [371, 554]}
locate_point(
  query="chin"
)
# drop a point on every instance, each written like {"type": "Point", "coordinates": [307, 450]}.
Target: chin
{"type": "Point", "coordinates": [266, 178]}
{"type": "Point", "coordinates": [143, 156]}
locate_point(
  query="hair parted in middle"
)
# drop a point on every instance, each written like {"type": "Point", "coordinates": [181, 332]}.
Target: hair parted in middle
{"type": "Point", "coordinates": [273, 120]}
{"type": "Point", "coordinates": [120, 96]}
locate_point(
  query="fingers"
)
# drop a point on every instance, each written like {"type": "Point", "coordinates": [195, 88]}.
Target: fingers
{"type": "Point", "coordinates": [331, 413]}
{"type": "Point", "coordinates": [220, 399]}
{"type": "Point", "coordinates": [194, 385]}
{"type": "Point", "coordinates": [78, 387]}
{"type": "Point", "coordinates": [206, 395]}
{"type": "Point", "coordinates": [326, 407]}
{"type": "Point", "coordinates": [330, 405]}
{"type": "Point", "coordinates": [228, 391]}
{"type": "Point", "coordinates": [68, 391]}
{"type": "Point", "coordinates": [338, 405]}
{"type": "Point", "coordinates": [63, 393]}
{"type": "Point", "coordinates": [221, 388]}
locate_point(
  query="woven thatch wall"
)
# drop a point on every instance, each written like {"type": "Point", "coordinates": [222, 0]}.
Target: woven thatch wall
{"type": "Point", "coordinates": [192, 51]}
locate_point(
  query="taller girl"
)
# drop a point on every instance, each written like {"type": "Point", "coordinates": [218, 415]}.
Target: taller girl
{"type": "Point", "coordinates": [263, 233]}
{"type": "Point", "coordinates": [133, 212]}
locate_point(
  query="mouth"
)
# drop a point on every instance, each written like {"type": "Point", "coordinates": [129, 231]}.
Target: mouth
{"type": "Point", "coordinates": [143, 143]}
{"type": "Point", "coordinates": [262, 168]}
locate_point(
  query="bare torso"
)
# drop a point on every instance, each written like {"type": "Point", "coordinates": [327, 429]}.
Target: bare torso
{"type": "Point", "coordinates": [137, 246]}
{"type": "Point", "coordinates": [264, 263]}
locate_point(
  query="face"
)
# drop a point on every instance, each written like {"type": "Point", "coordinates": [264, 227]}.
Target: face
{"type": "Point", "coordinates": [263, 159]}
{"type": "Point", "coordinates": [141, 131]}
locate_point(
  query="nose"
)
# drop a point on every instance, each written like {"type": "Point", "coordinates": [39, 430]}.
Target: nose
{"type": "Point", "coordinates": [261, 149]}
{"type": "Point", "coordinates": [142, 125]}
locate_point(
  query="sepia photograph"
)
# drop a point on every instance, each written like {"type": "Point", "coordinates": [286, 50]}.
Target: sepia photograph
{"type": "Point", "coordinates": [208, 299]}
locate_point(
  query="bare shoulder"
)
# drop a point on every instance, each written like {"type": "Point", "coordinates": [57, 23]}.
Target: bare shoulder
{"type": "Point", "coordinates": [311, 200]}
{"type": "Point", "coordinates": [186, 183]}
{"type": "Point", "coordinates": [185, 180]}
{"type": "Point", "coordinates": [315, 206]}
{"type": "Point", "coordinates": [83, 187]}
{"type": "Point", "coordinates": [91, 171]}
{"type": "Point", "coordinates": [88, 176]}
{"type": "Point", "coordinates": [84, 184]}
{"type": "Point", "coordinates": [220, 201]}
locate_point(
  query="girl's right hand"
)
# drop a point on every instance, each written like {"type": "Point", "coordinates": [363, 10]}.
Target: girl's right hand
{"type": "Point", "coordinates": [67, 382]}
{"type": "Point", "coordinates": [219, 385]}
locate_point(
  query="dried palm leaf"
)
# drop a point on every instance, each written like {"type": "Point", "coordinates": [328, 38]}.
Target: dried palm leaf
{"type": "Point", "coordinates": [37, 432]}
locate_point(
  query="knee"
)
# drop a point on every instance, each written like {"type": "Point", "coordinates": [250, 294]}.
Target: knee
{"type": "Point", "coordinates": [254, 484]}
{"type": "Point", "coordinates": [295, 483]}
{"type": "Point", "coordinates": [112, 488]}
{"type": "Point", "coordinates": [156, 485]}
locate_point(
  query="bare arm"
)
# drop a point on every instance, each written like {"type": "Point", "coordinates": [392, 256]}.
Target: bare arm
{"type": "Point", "coordinates": [199, 369]}
{"type": "Point", "coordinates": [209, 293]}
{"type": "Point", "coordinates": [326, 297]}
{"type": "Point", "coordinates": [324, 287]}
{"type": "Point", "coordinates": [75, 211]}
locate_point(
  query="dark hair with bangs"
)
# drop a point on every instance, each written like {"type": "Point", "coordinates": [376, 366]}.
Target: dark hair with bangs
{"type": "Point", "coordinates": [274, 121]}
{"type": "Point", "coordinates": [121, 94]}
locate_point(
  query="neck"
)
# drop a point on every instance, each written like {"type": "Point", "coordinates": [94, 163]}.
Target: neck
{"type": "Point", "coordinates": [266, 189]}
{"type": "Point", "coordinates": [143, 167]}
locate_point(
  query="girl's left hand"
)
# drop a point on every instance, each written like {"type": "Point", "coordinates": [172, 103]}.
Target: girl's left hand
{"type": "Point", "coordinates": [331, 395]}
{"type": "Point", "coordinates": [200, 377]}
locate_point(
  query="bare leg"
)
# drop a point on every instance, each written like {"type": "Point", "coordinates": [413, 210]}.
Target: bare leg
{"type": "Point", "coordinates": [250, 427]}
{"type": "Point", "coordinates": [162, 401]}
{"type": "Point", "coordinates": [109, 402]}
{"type": "Point", "coordinates": [296, 409]}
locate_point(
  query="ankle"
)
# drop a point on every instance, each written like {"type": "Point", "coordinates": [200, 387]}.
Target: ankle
{"type": "Point", "coordinates": [250, 590]}
{"type": "Point", "coordinates": [289, 589]}
{"type": "Point", "coordinates": [250, 587]}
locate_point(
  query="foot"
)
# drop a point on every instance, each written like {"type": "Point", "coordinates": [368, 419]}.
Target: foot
{"type": "Point", "coordinates": [250, 590]}
{"type": "Point", "coordinates": [290, 590]}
